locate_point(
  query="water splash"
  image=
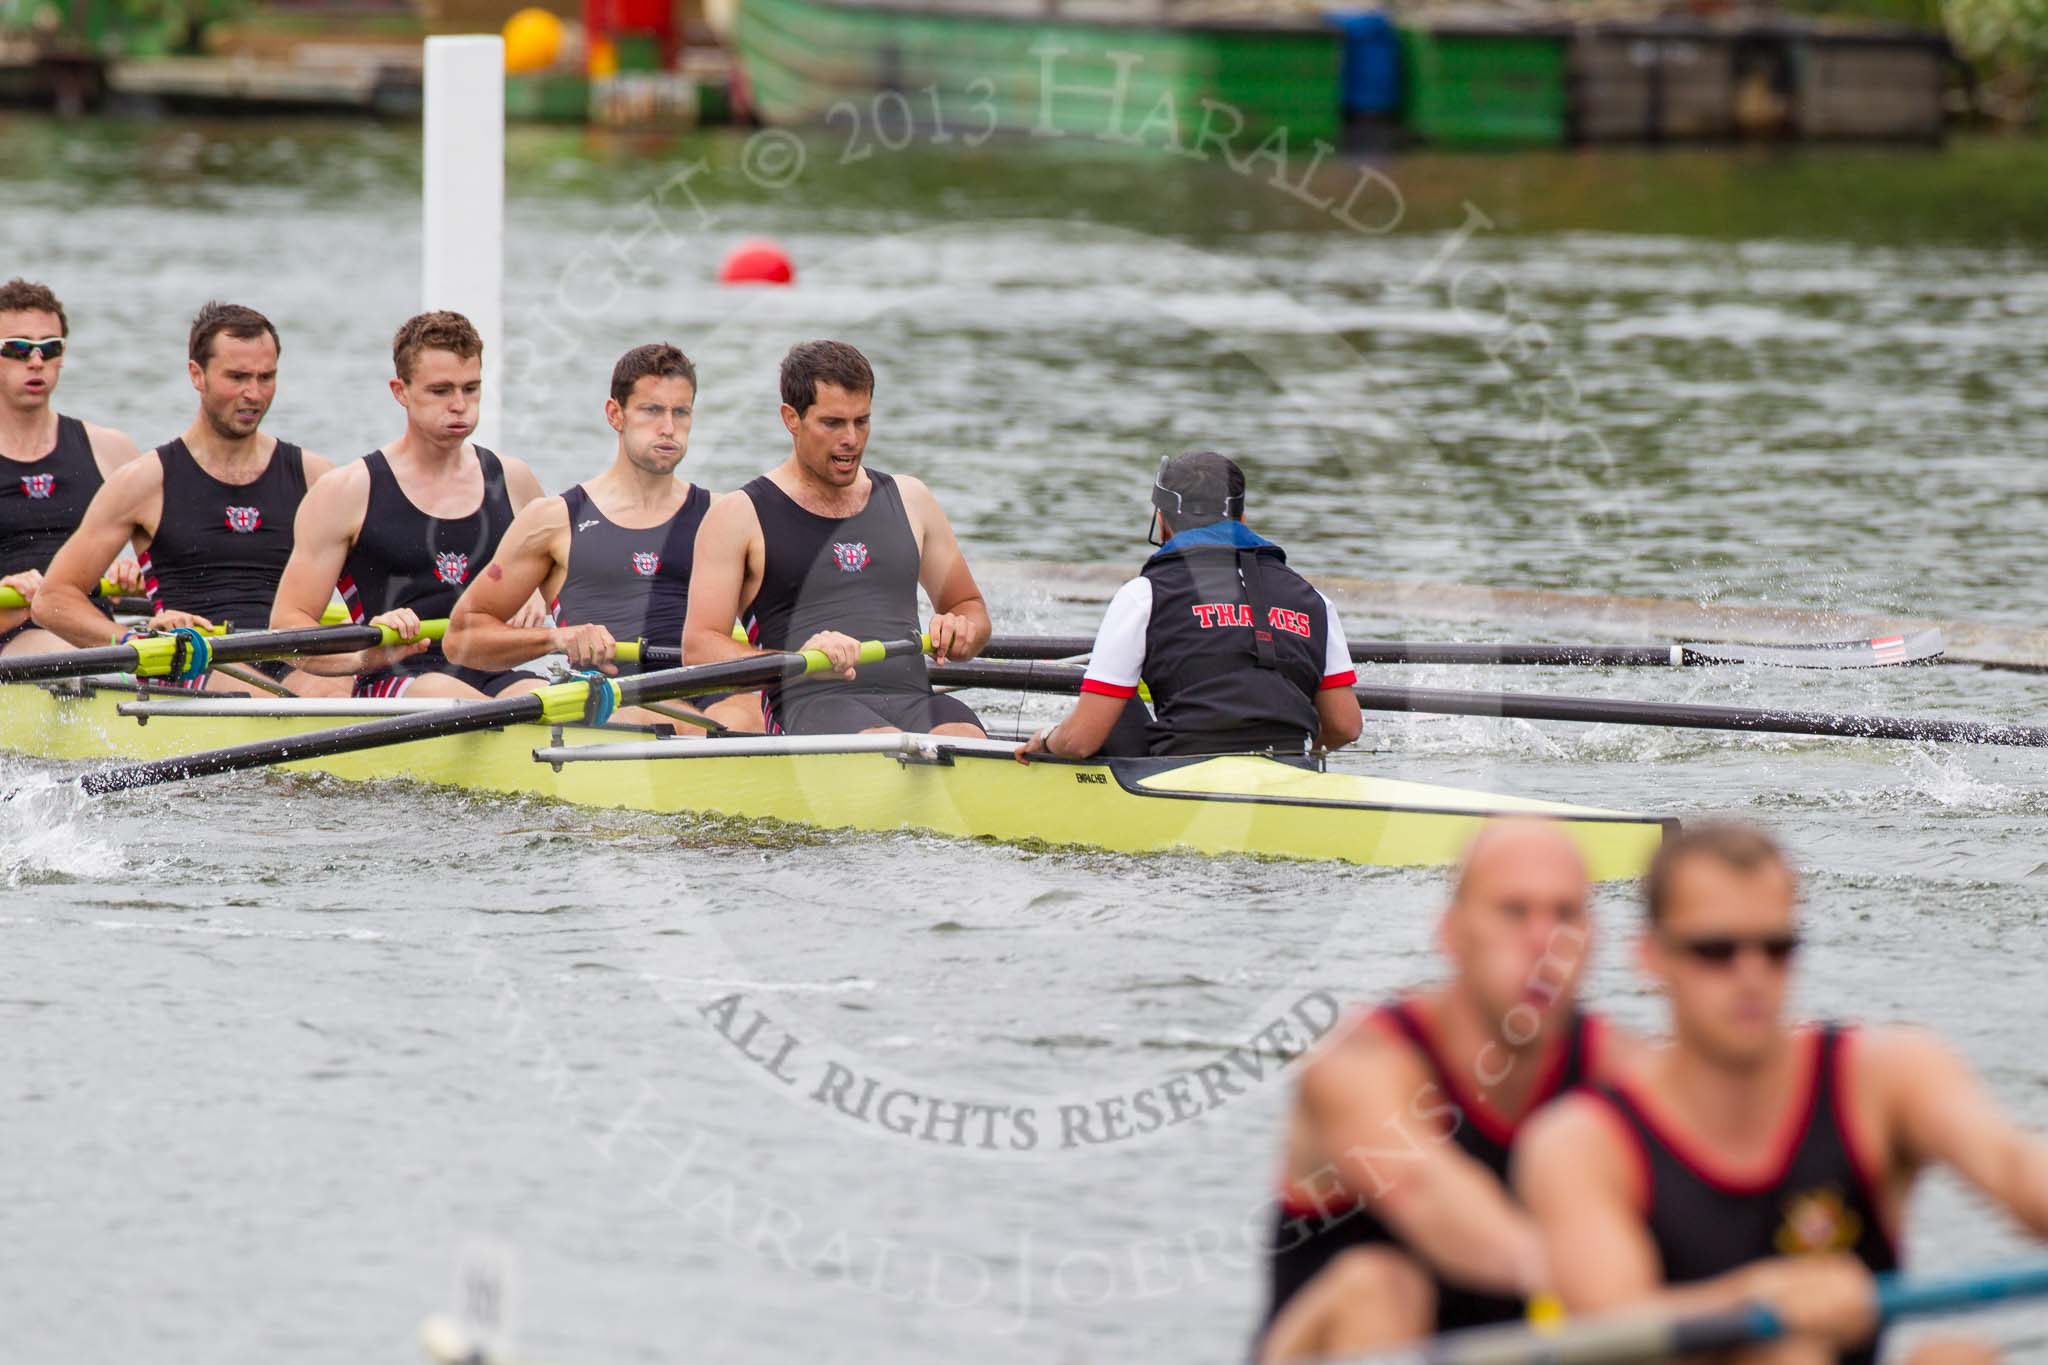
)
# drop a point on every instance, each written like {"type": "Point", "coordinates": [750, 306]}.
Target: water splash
{"type": "Point", "coordinates": [1941, 776]}
{"type": "Point", "coordinates": [45, 833]}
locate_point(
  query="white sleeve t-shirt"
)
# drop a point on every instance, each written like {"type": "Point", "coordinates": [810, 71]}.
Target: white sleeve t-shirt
{"type": "Point", "coordinates": [1118, 663]}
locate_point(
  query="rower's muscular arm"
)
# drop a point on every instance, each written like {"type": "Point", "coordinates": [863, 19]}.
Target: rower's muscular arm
{"type": "Point", "coordinates": [960, 625]}
{"type": "Point", "coordinates": [1577, 1174]}
{"type": "Point", "coordinates": [522, 488]}
{"type": "Point", "coordinates": [725, 573]}
{"type": "Point", "coordinates": [126, 506]}
{"type": "Point", "coordinates": [1338, 719]}
{"type": "Point", "coordinates": [531, 558]}
{"type": "Point", "coordinates": [1374, 1111]}
{"type": "Point", "coordinates": [1941, 1115]}
{"type": "Point", "coordinates": [111, 450]}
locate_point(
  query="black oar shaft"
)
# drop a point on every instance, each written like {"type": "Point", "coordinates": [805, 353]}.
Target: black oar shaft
{"type": "Point", "coordinates": [342, 739]}
{"type": "Point", "coordinates": [1065, 678]}
{"type": "Point", "coordinates": [1690, 716]}
{"type": "Point", "coordinates": [227, 649]}
{"type": "Point", "coordinates": [76, 663]}
{"type": "Point", "coordinates": [553, 702]}
{"type": "Point", "coordinates": [1917, 648]}
{"type": "Point", "coordinates": [1049, 647]}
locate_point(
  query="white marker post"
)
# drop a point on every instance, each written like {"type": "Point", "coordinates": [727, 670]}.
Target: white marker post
{"type": "Point", "coordinates": [463, 197]}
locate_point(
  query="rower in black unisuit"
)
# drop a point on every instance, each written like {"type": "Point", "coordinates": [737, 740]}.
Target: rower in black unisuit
{"type": "Point", "coordinates": [220, 548]}
{"type": "Point", "coordinates": [405, 558]}
{"type": "Point", "coordinates": [43, 500]}
{"type": "Point", "coordinates": [1310, 1230]}
{"type": "Point", "coordinates": [41, 503]}
{"type": "Point", "coordinates": [1819, 1198]}
{"type": "Point", "coordinates": [633, 582]}
{"type": "Point", "coordinates": [857, 575]}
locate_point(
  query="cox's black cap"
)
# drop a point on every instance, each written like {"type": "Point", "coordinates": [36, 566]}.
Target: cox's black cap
{"type": "Point", "coordinates": [1199, 487]}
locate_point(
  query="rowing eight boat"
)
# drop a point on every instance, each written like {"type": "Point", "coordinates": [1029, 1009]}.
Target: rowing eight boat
{"type": "Point", "coordinates": [971, 788]}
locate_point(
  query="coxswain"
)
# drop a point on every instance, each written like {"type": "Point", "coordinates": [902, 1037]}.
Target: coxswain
{"type": "Point", "coordinates": [400, 532]}
{"type": "Point", "coordinates": [209, 513]}
{"type": "Point", "coordinates": [50, 465]}
{"type": "Point", "coordinates": [1394, 1221]}
{"type": "Point", "coordinates": [612, 554]}
{"type": "Point", "coordinates": [1750, 1159]}
{"type": "Point", "coordinates": [822, 552]}
{"type": "Point", "coordinates": [1238, 651]}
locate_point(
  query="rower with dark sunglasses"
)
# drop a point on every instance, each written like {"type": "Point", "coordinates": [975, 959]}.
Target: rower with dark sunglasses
{"type": "Point", "coordinates": [1751, 1159]}
{"type": "Point", "coordinates": [50, 466]}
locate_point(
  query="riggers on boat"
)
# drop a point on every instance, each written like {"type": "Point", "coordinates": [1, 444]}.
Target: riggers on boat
{"type": "Point", "coordinates": [969, 788]}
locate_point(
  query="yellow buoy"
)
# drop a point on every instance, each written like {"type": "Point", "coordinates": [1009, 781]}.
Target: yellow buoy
{"type": "Point", "coordinates": [533, 40]}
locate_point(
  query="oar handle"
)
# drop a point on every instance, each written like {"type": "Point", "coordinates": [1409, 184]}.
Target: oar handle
{"type": "Point", "coordinates": [429, 630]}
{"type": "Point", "coordinates": [639, 651]}
{"type": "Point", "coordinates": [12, 600]}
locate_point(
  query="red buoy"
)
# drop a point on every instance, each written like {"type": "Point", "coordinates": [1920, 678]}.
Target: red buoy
{"type": "Point", "coordinates": [757, 262]}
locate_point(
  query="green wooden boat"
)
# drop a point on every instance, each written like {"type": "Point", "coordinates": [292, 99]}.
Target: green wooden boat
{"type": "Point", "coordinates": [883, 74]}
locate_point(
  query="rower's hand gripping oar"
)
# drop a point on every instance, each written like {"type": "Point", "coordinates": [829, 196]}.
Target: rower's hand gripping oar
{"type": "Point", "coordinates": [12, 600]}
{"type": "Point", "coordinates": [1881, 652]}
{"type": "Point", "coordinates": [587, 697]}
{"type": "Point", "coordinates": [1036, 677]}
{"type": "Point", "coordinates": [187, 653]}
{"type": "Point", "coordinates": [1615, 1338]}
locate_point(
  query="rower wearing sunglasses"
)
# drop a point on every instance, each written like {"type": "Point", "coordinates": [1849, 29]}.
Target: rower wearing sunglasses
{"type": "Point", "coordinates": [1751, 1159]}
{"type": "Point", "coordinates": [50, 465]}
{"type": "Point", "coordinates": [1238, 651]}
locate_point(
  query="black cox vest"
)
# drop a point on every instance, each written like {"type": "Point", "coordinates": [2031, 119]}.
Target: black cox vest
{"type": "Point", "coordinates": [1234, 651]}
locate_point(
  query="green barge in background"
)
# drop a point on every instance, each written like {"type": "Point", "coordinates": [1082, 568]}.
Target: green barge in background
{"type": "Point", "coordinates": [1164, 75]}
{"type": "Point", "coordinates": [970, 67]}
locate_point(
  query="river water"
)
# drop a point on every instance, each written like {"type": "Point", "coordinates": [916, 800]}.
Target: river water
{"type": "Point", "coordinates": [279, 1048]}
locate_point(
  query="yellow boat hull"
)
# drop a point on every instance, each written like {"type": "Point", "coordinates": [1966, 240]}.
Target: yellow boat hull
{"type": "Point", "coordinates": [1226, 805]}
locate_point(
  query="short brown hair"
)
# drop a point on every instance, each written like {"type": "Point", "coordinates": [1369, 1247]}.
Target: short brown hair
{"type": "Point", "coordinates": [655, 360]}
{"type": "Point", "coordinates": [811, 363]}
{"type": "Point", "coordinates": [1745, 848]}
{"type": "Point", "coordinates": [22, 296]}
{"type": "Point", "coordinates": [243, 324]}
{"type": "Point", "coordinates": [436, 331]}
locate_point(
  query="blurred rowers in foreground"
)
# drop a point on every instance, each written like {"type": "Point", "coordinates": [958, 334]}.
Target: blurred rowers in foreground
{"type": "Point", "coordinates": [1394, 1221]}
{"type": "Point", "coordinates": [1750, 1159]}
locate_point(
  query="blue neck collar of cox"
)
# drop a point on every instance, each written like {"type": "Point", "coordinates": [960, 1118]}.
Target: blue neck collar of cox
{"type": "Point", "coordinates": [1230, 533]}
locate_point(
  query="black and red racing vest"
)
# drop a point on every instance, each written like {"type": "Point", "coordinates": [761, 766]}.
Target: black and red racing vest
{"type": "Point", "coordinates": [1820, 1197]}
{"type": "Point", "coordinates": [1234, 651]}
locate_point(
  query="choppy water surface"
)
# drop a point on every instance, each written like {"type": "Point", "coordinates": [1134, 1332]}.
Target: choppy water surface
{"type": "Point", "coordinates": [279, 1046]}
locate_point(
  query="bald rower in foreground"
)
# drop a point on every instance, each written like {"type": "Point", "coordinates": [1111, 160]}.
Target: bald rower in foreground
{"type": "Point", "coordinates": [1394, 1221]}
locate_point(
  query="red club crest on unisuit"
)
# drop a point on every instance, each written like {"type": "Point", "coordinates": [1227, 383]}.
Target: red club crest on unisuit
{"type": "Point", "coordinates": [851, 557]}
{"type": "Point", "coordinates": [451, 568]}
{"type": "Point", "coordinates": [39, 485]}
{"type": "Point", "coordinates": [244, 519]}
{"type": "Point", "coordinates": [646, 563]}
